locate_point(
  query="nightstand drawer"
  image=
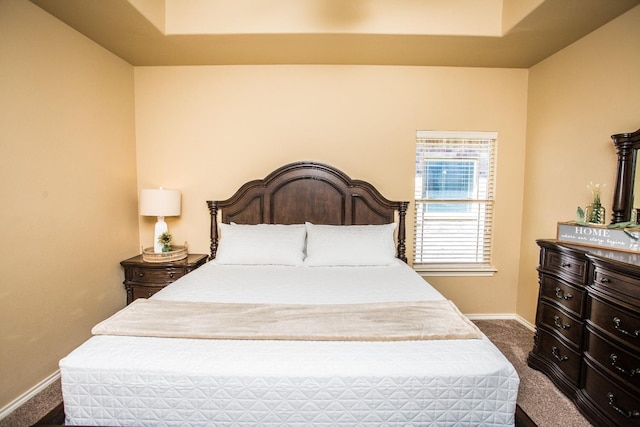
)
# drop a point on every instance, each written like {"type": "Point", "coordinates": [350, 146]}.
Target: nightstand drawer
{"type": "Point", "coordinates": [144, 291]}
{"type": "Point", "coordinates": [561, 323]}
{"type": "Point", "coordinates": [143, 279]}
{"type": "Point", "coordinates": [562, 293]}
{"type": "Point", "coordinates": [155, 275]}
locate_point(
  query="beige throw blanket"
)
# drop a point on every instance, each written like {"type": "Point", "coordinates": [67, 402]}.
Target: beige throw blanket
{"type": "Point", "coordinates": [393, 321]}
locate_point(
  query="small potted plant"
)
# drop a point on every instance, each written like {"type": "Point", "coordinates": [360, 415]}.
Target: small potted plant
{"type": "Point", "coordinates": [165, 240]}
{"type": "Point", "coordinates": [595, 212]}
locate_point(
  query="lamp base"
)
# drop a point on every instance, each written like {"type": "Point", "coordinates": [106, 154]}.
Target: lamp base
{"type": "Point", "coordinates": [161, 227]}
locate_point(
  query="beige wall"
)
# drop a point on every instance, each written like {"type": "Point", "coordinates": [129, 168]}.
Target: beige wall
{"type": "Point", "coordinates": [577, 99]}
{"type": "Point", "coordinates": [67, 180]}
{"type": "Point", "coordinates": [207, 130]}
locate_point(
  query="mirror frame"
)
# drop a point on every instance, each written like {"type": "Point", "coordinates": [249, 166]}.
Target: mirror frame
{"type": "Point", "coordinates": [627, 145]}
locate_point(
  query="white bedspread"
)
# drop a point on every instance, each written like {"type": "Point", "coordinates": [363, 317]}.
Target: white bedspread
{"type": "Point", "coordinates": [112, 380]}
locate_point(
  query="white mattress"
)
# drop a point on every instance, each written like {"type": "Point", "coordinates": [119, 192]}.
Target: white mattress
{"type": "Point", "coordinates": [112, 380]}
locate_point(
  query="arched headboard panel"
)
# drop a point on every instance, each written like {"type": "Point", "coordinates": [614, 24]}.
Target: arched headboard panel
{"type": "Point", "coordinates": [308, 191]}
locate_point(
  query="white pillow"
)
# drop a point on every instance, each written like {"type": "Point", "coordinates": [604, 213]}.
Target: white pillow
{"type": "Point", "coordinates": [350, 245]}
{"type": "Point", "coordinates": [271, 244]}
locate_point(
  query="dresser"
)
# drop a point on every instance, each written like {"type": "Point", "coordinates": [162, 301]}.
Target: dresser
{"type": "Point", "coordinates": [587, 338]}
{"type": "Point", "coordinates": [143, 279]}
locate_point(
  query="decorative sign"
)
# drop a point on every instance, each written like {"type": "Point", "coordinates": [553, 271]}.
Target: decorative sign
{"type": "Point", "coordinates": [599, 236]}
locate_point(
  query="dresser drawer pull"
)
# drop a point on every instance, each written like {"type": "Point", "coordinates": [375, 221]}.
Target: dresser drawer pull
{"type": "Point", "coordinates": [554, 352]}
{"type": "Point", "coordinates": [616, 326]}
{"type": "Point", "coordinates": [565, 264]}
{"type": "Point", "coordinates": [605, 280]}
{"type": "Point", "coordinates": [614, 361]}
{"type": "Point", "coordinates": [626, 413]}
{"type": "Point", "coordinates": [140, 274]}
{"type": "Point", "coordinates": [171, 275]}
{"type": "Point", "coordinates": [560, 294]}
{"type": "Point", "coordinates": [558, 323]}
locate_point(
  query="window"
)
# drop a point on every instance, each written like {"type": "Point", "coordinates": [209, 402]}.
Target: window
{"type": "Point", "coordinates": [454, 196]}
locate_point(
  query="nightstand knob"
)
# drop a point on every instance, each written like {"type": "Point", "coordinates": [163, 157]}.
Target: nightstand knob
{"type": "Point", "coordinates": [171, 275]}
{"type": "Point", "coordinates": [140, 274]}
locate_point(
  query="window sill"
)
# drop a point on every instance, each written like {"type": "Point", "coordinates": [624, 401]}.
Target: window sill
{"type": "Point", "coordinates": [454, 270]}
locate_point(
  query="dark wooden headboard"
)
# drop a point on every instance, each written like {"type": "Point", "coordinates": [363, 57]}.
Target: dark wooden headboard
{"type": "Point", "coordinates": [308, 191]}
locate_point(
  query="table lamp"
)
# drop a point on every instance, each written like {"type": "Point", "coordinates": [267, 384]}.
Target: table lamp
{"type": "Point", "coordinates": [159, 202]}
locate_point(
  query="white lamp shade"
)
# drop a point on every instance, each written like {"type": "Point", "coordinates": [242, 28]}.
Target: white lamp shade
{"type": "Point", "coordinates": [159, 202]}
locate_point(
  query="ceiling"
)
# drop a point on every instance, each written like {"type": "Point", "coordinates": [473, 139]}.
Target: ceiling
{"type": "Point", "coordinates": [470, 33]}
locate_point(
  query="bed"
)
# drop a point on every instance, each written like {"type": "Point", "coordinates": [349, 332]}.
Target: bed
{"type": "Point", "coordinates": [306, 315]}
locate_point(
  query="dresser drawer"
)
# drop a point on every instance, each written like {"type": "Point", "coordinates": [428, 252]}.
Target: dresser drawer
{"type": "Point", "coordinates": [560, 292]}
{"type": "Point", "coordinates": [155, 275]}
{"type": "Point", "coordinates": [561, 323]}
{"type": "Point", "coordinates": [617, 361]}
{"type": "Point", "coordinates": [621, 407]}
{"type": "Point", "coordinates": [616, 321]}
{"type": "Point", "coordinates": [620, 285]}
{"type": "Point", "coordinates": [569, 267]}
{"type": "Point", "coordinates": [555, 351]}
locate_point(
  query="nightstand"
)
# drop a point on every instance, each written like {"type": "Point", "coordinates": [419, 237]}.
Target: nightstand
{"type": "Point", "coordinates": [143, 279]}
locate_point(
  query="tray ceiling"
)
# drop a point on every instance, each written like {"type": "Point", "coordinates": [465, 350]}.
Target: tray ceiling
{"type": "Point", "coordinates": [470, 33]}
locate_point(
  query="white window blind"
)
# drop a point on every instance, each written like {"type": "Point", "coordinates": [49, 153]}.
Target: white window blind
{"type": "Point", "coordinates": [454, 197]}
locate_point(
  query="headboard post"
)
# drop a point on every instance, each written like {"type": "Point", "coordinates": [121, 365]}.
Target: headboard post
{"type": "Point", "coordinates": [213, 245]}
{"type": "Point", "coordinates": [402, 214]}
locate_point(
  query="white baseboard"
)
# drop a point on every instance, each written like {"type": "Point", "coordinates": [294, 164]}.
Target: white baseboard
{"type": "Point", "coordinates": [526, 323]}
{"type": "Point", "coordinates": [4, 412]}
{"type": "Point", "coordinates": [513, 316]}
